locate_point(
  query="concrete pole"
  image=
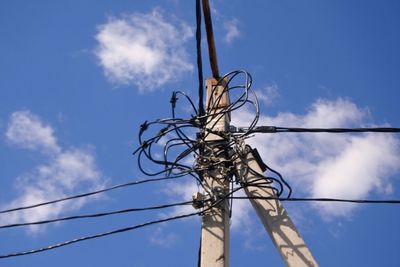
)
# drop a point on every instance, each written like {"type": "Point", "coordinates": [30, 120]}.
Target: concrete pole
{"type": "Point", "coordinates": [274, 217]}
{"type": "Point", "coordinates": [215, 221]}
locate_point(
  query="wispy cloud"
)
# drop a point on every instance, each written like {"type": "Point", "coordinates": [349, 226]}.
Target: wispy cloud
{"type": "Point", "coordinates": [232, 31]}
{"type": "Point", "coordinates": [268, 94]}
{"type": "Point", "coordinates": [66, 172]}
{"type": "Point", "coordinates": [330, 165]}
{"type": "Point", "coordinates": [181, 191]}
{"type": "Point", "coordinates": [26, 130]}
{"type": "Point", "coordinates": [164, 239]}
{"type": "Point", "coordinates": [145, 50]}
{"type": "Point", "coordinates": [231, 26]}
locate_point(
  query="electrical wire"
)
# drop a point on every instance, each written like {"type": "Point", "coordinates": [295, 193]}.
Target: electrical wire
{"type": "Point", "coordinates": [95, 215]}
{"type": "Point", "coordinates": [297, 199]}
{"type": "Point", "coordinates": [199, 59]}
{"type": "Point", "coordinates": [85, 238]}
{"type": "Point", "coordinates": [275, 129]}
{"type": "Point", "coordinates": [88, 193]}
{"type": "Point", "coordinates": [208, 205]}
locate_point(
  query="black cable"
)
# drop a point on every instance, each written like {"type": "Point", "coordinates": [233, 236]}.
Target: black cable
{"type": "Point", "coordinates": [199, 59]}
{"type": "Point", "coordinates": [297, 199]}
{"type": "Point", "coordinates": [121, 230]}
{"type": "Point", "coordinates": [96, 215]}
{"type": "Point", "coordinates": [88, 193]}
{"type": "Point", "coordinates": [199, 254]}
{"type": "Point", "coordinates": [275, 129]}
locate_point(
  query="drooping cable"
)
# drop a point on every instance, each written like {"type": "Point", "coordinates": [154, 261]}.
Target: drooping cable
{"type": "Point", "coordinates": [132, 183]}
{"type": "Point", "coordinates": [121, 230]}
{"type": "Point", "coordinates": [85, 238]}
{"type": "Point", "coordinates": [95, 215]}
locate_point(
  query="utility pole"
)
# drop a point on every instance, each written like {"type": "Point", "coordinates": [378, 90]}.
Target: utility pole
{"type": "Point", "coordinates": [215, 220]}
{"type": "Point", "coordinates": [214, 250]}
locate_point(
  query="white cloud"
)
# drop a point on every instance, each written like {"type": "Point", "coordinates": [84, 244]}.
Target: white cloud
{"type": "Point", "coordinates": [28, 131]}
{"type": "Point", "coordinates": [329, 165]}
{"type": "Point", "coordinates": [65, 173]}
{"type": "Point", "coordinates": [181, 191]}
{"type": "Point", "coordinates": [268, 94]}
{"type": "Point", "coordinates": [231, 28]}
{"type": "Point", "coordinates": [146, 50]}
{"type": "Point", "coordinates": [162, 239]}
{"type": "Point", "coordinates": [241, 217]}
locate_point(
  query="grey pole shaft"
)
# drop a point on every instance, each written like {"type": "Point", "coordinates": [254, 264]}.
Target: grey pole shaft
{"type": "Point", "coordinates": [215, 221]}
{"type": "Point", "coordinates": [273, 215]}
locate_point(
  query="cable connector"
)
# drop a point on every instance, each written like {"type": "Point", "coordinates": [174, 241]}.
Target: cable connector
{"type": "Point", "coordinates": [198, 200]}
{"type": "Point", "coordinates": [259, 129]}
{"type": "Point", "coordinates": [143, 145]}
{"type": "Point", "coordinates": [143, 127]}
{"type": "Point", "coordinates": [162, 132]}
{"type": "Point", "coordinates": [218, 193]}
{"type": "Point", "coordinates": [173, 99]}
{"type": "Point", "coordinates": [265, 129]}
{"type": "Point", "coordinates": [259, 160]}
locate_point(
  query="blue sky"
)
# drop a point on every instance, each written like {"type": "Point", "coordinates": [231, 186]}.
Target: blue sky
{"type": "Point", "coordinates": [77, 78]}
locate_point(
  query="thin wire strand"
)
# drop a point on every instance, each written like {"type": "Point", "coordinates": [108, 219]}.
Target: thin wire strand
{"type": "Point", "coordinates": [199, 59]}
{"type": "Point", "coordinates": [95, 215]}
{"type": "Point", "coordinates": [276, 129]}
{"type": "Point", "coordinates": [88, 194]}
{"type": "Point", "coordinates": [120, 230]}
{"type": "Point", "coordinates": [85, 238]}
{"type": "Point", "coordinates": [297, 199]}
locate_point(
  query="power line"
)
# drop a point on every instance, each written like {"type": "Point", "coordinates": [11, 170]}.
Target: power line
{"type": "Point", "coordinates": [88, 193]}
{"type": "Point", "coordinates": [69, 242]}
{"type": "Point", "coordinates": [297, 199]}
{"type": "Point", "coordinates": [275, 129]}
{"type": "Point", "coordinates": [199, 59]}
{"type": "Point", "coordinates": [215, 202]}
{"type": "Point", "coordinates": [80, 239]}
{"type": "Point", "coordinates": [95, 215]}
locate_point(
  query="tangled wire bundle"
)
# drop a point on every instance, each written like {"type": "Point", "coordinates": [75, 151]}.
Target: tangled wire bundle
{"type": "Point", "coordinates": [178, 146]}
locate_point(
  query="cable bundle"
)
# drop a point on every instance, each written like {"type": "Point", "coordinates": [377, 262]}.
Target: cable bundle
{"type": "Point", "coordinates": [179, 146]}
